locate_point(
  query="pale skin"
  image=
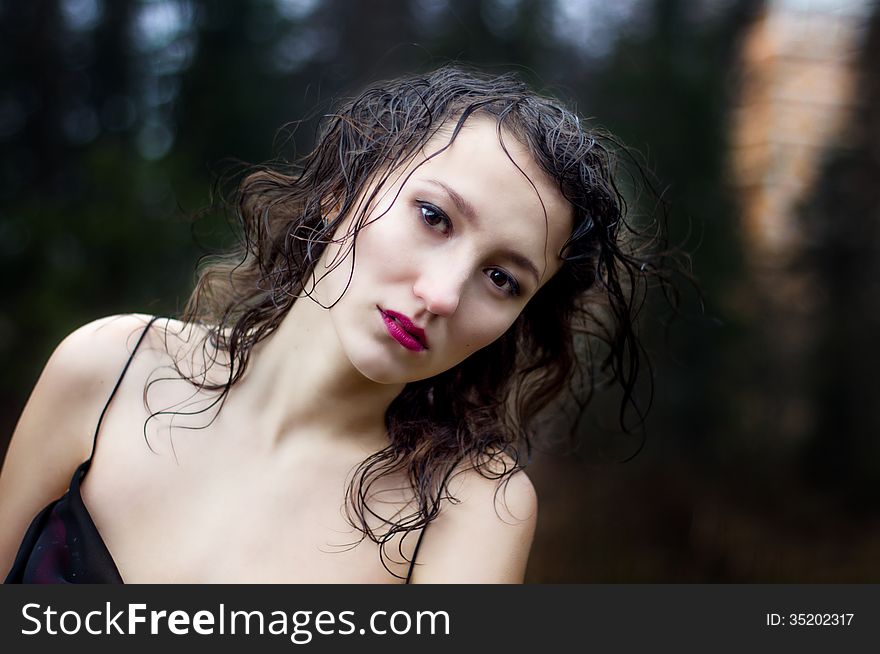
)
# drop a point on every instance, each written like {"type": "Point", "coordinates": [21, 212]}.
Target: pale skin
{"type": "Point", "coordinates": [257, 496]}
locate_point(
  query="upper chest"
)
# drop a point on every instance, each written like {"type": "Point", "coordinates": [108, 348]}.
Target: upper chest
{"type": "Point", "coordinates": [205, 507]}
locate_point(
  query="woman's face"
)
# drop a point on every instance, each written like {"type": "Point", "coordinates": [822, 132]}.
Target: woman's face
{"type": "Point", "coordinates": [461, 248]}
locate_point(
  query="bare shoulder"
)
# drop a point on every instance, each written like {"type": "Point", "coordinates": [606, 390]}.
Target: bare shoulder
{"type": "Point", "coordinates": [92, 356]}
{"type": "Point", "coordinates": [484, 535]}
{"type": "Point", "coordinates": [74, 383]}
{"type": "Point", "coordinates": [54, 432]}
{"type": "Point", "coordinates": [495, 488]}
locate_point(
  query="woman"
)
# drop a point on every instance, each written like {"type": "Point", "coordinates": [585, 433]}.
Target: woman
{"type": "Point", "coordinates": [349, 395]}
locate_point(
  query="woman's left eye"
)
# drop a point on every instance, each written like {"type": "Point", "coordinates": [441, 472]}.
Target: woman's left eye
{"type": "Point", "coordinates": [504, 281]}
{"type": "Point", "coordinates": [434, 217]}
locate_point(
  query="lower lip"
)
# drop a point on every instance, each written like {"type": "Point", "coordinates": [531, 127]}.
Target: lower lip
{"type": "Point", "coordinates": [402, 336]}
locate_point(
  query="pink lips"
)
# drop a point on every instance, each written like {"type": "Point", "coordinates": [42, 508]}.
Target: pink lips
{"type": "Point", "coordinates": [402, 329]}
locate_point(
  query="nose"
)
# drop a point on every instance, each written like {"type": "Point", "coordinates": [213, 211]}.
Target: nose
{"type": "Point", "coordinates": [440, 287]}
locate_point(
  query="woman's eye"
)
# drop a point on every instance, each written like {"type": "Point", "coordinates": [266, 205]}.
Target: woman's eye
{"type": "Point", "coordinates": [504, 281]}
{"type": "Point", "coordinates": [433, 217]}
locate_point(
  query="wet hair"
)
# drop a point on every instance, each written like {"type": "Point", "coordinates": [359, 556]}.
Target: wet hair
{"type": "Point", "coordinates": [576, 332]}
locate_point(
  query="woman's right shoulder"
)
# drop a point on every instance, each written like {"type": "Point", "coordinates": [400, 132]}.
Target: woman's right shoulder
{"type": "Point", "coordinates": [90, 358]}
{"type": "Point", "coordinates": [99, 342]}
{"type": "Point", "coordinates": [62, 412]}
{"type": "Point", "coordinates": [77, 380]}
{"type": "Point", "coordinates": [55, 430]}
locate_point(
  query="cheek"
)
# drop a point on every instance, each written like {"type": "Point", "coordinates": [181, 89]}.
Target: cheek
{"type": "Point", "coordinates": [372, 250]}
{"type": "Point", "coordinates": [385, 250]}
{"type": "Point", "coordinates": [477, 334]}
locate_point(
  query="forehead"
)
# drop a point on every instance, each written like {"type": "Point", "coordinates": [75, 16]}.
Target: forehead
{"type": "Point", "coordinates": [497, 175]}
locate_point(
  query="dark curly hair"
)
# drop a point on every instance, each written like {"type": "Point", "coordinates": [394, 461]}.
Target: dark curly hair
{"type": "Point", "coordinates": [579, 325]}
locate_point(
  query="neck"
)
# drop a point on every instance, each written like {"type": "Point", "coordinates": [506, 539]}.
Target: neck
{"type": "Point", "coordinates": [299, 383]}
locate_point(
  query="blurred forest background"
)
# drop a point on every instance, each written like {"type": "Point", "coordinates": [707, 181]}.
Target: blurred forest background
{"type": "Point", "coordinates": [761, 121]}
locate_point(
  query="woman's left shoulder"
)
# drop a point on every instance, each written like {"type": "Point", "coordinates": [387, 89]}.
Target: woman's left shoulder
{"type": "Point", "coordinates": [495, 485]}
{"type": "Point", "coordinates": [485, 533]}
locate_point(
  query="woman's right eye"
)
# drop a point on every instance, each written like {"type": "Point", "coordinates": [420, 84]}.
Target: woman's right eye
{"type": "Point", "coordinates": [434, 217]}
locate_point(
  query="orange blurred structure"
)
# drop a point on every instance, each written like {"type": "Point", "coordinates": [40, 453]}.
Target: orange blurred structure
{"type": "Point", "coordinates": [795, 103]}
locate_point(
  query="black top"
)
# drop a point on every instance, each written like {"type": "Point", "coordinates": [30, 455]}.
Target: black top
{"type": "Point", "coordinates": [63, 545]}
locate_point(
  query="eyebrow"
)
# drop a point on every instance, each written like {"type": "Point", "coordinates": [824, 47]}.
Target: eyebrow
{"type": "Point", "coordinates": [467, 209]}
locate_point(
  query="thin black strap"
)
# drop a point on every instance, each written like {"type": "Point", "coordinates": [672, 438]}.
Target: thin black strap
{"type": "Point", "coordinates": [416, 553]}
{"type": "Point", "coordinates": [412, 563]}
{"type": "Point", "coordinates": [118, 383]}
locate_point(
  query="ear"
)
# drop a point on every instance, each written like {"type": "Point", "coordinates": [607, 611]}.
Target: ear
{"type": "Point", "coordinates": [331, 206]}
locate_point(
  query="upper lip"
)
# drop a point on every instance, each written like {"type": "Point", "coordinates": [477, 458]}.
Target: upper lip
{"type": "Point", "coordinates": [408, 325]}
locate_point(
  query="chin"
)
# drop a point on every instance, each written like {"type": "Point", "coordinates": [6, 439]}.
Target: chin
{"type": "Point", "coordinates": [381, 370]}
{"type": "Point", "coordinates": [384, 371]}
{"type": "Point", "coordinates": [389, 375]}
{"type": "Point", "coordinates": [378, 363]}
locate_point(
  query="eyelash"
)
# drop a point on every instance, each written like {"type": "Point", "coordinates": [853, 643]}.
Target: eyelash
{"type": "Point", "coordinates": [426, 206]}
